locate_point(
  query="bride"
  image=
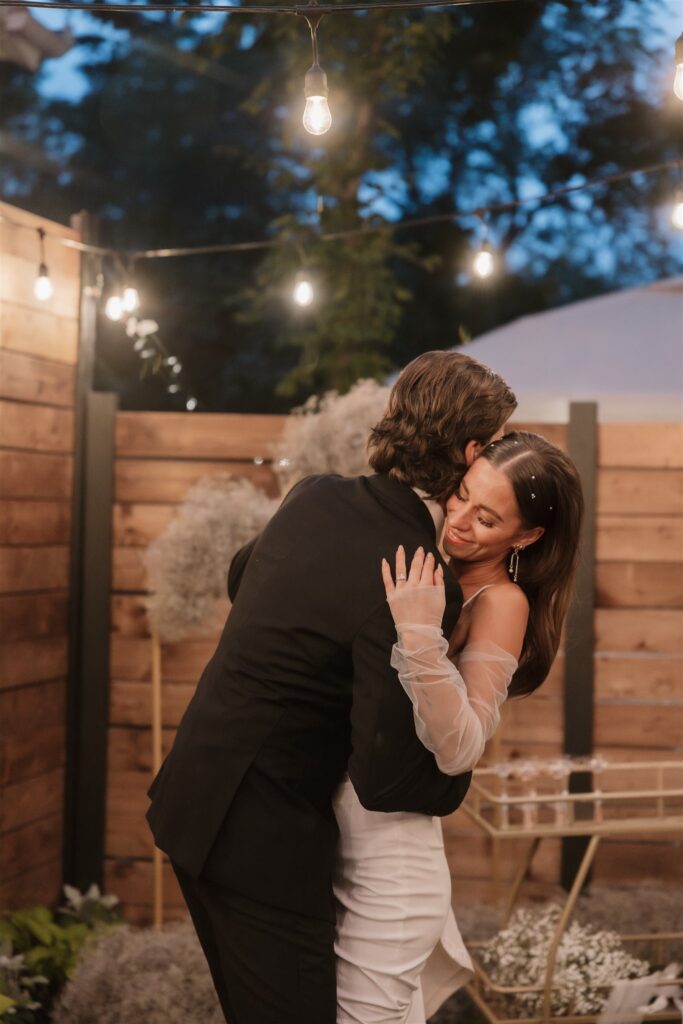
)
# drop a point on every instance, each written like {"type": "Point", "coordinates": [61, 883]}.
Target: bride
{"type": "Point", "coordinates": [512, 531]}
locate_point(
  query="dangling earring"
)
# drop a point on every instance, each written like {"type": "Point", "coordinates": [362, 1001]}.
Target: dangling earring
{"type": "Point", "coordinates": [513, 567]}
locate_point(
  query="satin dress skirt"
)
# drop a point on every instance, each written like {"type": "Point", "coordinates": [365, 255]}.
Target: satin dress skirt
{"type": "Point", "coordinates": [399, 951]}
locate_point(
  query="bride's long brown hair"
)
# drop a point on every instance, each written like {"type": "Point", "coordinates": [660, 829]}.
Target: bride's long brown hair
{"type": "Point", "coordinates": [548, 492]}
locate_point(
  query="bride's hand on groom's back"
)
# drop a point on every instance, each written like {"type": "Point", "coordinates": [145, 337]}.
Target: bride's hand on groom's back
{"type": "Point", "coordinates": [418, 596]}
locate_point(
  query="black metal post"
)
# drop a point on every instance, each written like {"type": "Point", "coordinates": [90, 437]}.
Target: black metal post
{"type": "Point", "coordinates": [579, 673]}
{"type": "Point", "coordinates": [89, 598]}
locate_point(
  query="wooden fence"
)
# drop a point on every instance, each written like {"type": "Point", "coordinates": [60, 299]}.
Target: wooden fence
{"type": "Point", "coordinates": [38, 354]}
{"type": "Point", "coordinates": [639, 619]}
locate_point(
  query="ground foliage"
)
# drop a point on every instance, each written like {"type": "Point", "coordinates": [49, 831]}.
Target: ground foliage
{"type": "Point", "coordinates": [190, 133]}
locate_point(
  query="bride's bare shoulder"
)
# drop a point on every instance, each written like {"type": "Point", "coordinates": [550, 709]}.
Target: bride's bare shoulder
{"type": "Point", "coordinates": [505, 596]}
{"type": "Point", "coordinates": [500, 615]}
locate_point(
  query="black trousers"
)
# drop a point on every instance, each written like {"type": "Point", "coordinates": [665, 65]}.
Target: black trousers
{"type": "Point", "coordinates": [268, 966]}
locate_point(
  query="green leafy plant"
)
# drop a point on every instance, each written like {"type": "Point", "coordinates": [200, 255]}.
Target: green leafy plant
{"type": "Point", "coordinates": [39, 949]}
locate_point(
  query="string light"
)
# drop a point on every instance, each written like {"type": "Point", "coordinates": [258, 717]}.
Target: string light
{"type": "Point", "coordinates": [114, 308]}
{"type": "Point", "coordinates": [304, 292]}
{"type": "Point", "coordinates": [678, 61]}
{"type": "Point", "coordinates": [317, 117]}
{"type": "Point", "coordinates": [191, 404]}
{"type": "Point", "coordinates": [483, 263]}
{"type": "Point", "coordinates": [677, 212]}
{"type": "Point", "coordinates": [130, 300]}
{"type": "Point", "coordinates": [43, 289]}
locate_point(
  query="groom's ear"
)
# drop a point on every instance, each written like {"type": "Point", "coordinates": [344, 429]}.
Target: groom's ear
{"type": "Point", "coordinates": [472, 449]}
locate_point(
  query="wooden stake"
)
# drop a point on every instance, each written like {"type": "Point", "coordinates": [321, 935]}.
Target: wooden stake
{"type": "Point", "coordinates": [158, 863]}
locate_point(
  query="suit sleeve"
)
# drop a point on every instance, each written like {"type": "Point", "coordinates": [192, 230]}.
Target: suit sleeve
{"type": "Point", "coordinates": [237, 567]}
{"type": "Point", "coordinates": [239, 561]}
{"type": "Point", "coordinates": [389, 767]}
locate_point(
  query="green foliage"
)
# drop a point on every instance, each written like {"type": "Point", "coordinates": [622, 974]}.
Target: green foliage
{"type": "Point", "coordinates": [39, 949]}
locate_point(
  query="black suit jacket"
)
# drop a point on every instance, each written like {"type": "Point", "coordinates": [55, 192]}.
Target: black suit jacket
{"type": "Point", "coordinates": [299, 691]}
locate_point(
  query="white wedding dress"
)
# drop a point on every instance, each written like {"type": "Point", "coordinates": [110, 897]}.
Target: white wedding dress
{"type": "Point", "coordinates": [399, 951]}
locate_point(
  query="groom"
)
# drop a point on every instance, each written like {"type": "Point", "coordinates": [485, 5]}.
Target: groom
{"type": "Point", "coordinates": [300, 691]}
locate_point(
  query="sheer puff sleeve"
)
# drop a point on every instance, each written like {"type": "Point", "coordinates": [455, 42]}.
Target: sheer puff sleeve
{"type": "Point", "coordinates": [456, 706]}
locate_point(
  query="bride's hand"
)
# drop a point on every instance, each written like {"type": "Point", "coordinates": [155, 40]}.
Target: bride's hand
{"type": "Point", "coordinates": [418, 597]}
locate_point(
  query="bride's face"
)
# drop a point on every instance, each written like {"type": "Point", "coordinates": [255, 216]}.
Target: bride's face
{"type": "Point", "coordinates": [482, 518]}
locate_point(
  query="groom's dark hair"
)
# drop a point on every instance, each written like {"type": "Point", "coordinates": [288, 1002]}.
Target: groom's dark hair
{"type": "Point", "coordinates": [440, 401]}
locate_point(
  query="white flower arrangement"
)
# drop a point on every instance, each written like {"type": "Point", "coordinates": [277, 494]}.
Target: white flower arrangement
{"type": "Point", "coordinates": [188, 563]}
{"type": "Point", "coordinates": [587, 958]}
{"type": "Point", "coordinates": [330, 434]}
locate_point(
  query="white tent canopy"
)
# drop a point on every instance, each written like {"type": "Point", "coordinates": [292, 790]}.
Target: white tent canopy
{"type": "Point", "coordinates": [623, 350]}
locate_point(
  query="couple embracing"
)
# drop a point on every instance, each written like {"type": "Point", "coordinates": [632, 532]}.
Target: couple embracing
{"type": "Point", "coordinates": [378, 625]}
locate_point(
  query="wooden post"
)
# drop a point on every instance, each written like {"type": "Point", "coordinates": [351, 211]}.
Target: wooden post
{"type": "Point", "coordinates": [580, 628]}
{"type": "Point", "coordinates": [157, 723]}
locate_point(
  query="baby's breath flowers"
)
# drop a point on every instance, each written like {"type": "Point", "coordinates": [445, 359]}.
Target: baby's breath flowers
{"type": "Point", "coordinates": [586, 959]}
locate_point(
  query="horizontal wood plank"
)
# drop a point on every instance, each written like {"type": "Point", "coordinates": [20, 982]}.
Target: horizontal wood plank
{"type": "Point", "coordinates": [636, 724]}
{"type": "Point", "coordinates": [42, 884]}
{"type": "Point", "coordinates": [36, 427]}
{"type": "Point", "coordinates": [197, 435]}
{"type": "Point", "coordinates": [642, 629]}
{"type": "Point", "coordinates": [130, 750]}
{"type": "Point", "coordinates": [38, 332]}
{"type": "Point", "coordinates": [638, 585]}
{"type": "Point", "coordinates": [32, 708]}
{"type": "Point", "coordinates": [649, 492]}
{"type": "Point", "coordinates": [130, 618]}
{"type": "Point", "coordinates": [182, 662]}
{"type": "Point", "coordinates": [129, 573]}
{"type": "Point", "coordinates": [140, 481]}
{"type": "Point", "coordinates": [30, 846]}
{"type": "Point", "coordinates": [32, 799]}
{"type": "Point", "coordinates": [641, 445]}
{"type": "Point", "coordinates": [35, 475]}
{"type": "Point", "coordinates": [33, 615]}
{"type": "Point", "coordinates": [32, 522]}
{"type": "Point", "coordinates": [26, 379]}
{"type": "Point", "coordinates": [30, 661]}
{"type": "Point", "coordinates": [645, 679]}
{"type": "Point", "coordinates": [137, 526]}
{"type": "Point", "coordinates": [639, 539]}
{"type": "Point", "coordinates": [131, 703]}
{"type": "Point", "coordinates": [24, 757]}
{"type": "Point", "coordinates": [26, 569]}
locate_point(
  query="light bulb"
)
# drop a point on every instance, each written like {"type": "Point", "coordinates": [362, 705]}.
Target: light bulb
{"type": "Point", "coordinates": [191, 404]}
{"type": "Point", "coordinates": [678, 81]}
{"type": "Point", "coordinates": [677, 212]}
{"type": "Point", "coordinates": [176, 368]}
{"type": "Point", "coordinates": [131, 300]}
{"type": "Point", "coordinates": [678, 60]}
{"type": "Point", "coordinates": [173, 389]}
{"type": "Point", "coordinates": [114, 308]}
{"type": "Point", "coordinates": [317, 116]}
{"type": "Point", "coordinates": [484, 263]}
{"type": "Point", "coordinates": [43, 289]}
{"type": "Point", "coordinates": [303, 291]}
